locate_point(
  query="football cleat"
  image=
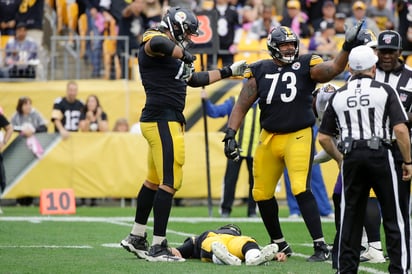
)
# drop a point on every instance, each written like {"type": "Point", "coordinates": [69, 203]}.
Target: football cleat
{"type": "Point", "coordinates": [162, 253]}
{"type": "Point", "coordinates": [285, 248]}
{"type": "Point", "coordinates": [322, 252]}
{"type": "Point", "coordinates": [136, 244]}
{"type": "Point", "coordinates": [266, 254]}
{"type": "Point", "coordinates": [372, 255]}
{"type": "Point", "coordinates": [221, 252]}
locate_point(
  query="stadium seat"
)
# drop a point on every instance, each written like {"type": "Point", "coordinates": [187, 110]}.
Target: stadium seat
{"type": "Point", "coordinates": [248, 49]}
{"type": "Point", "coordinates": [82, 33]}
{"type": "Point", "coordinates": [109, 51]}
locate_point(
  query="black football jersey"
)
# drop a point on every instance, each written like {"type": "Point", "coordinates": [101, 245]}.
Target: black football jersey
{"type": "Point", "coordinates": [285, 93]}
{"type": "Point", "coordinates": [164, 88]}
{"type": "Point", "coordinates": [70, 113]}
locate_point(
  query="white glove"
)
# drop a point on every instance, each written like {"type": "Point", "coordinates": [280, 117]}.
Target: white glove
{"type": "Point", "coordinates": [188, 70]}
{"type": "Point", "coordinates": [238, 68]}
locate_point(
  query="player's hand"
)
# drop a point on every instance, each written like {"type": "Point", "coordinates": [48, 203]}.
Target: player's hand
{"type": "Point", "coordinates": [231, 148]}
{"type": "Point", "coordinates": [188, 70]}
{"type": "Point", "coordinates": [351, 36]}
{"type": "Point", "coordinates": [238, 68]}
{"type": "Point", "coordinates": [188, 58]}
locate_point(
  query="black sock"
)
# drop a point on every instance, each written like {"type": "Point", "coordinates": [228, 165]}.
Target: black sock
{"type": "Point", "coordinates": [269, 211]}
{"type": "Point", "coordinates": [248, 246]}
{"type": "Point", "coordinates": [373, 220]}
{"type": "Point", "coordinates": [310, 213]}
{"type": "Point", "coordinates": [161, 210]}
{"type": "Point", "coordinates": [144, 204]}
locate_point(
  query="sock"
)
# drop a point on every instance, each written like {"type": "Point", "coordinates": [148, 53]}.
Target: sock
{"type": "Point", "coordinates": [138, 229]}
{"type": "Point", "coordinates": [269, 211]}
{"type": "Point", "coordinates": [310, 213]}
{"type": "Point", "coordinates": [157, 240]}
{"type": "Point", "coordinates": [162, 205]}
{"type": "Point", "coordinates": [144, 204]}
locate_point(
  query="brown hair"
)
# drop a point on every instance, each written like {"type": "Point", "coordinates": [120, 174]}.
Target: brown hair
{"type": "Point", "coordinates": [22, 100]}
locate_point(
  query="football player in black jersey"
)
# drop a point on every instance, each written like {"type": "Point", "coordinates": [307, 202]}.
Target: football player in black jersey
{"type": "Point", "coordinates": [226, 245]}
{"type": "Point", "coordinates": [284, 86]}
{"type": "Point", "coordinates": [166, 69]}
{"type": "Point", "coordinates": [66, 111]}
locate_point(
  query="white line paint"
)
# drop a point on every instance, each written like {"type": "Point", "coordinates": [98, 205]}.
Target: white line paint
{"type": "Point", "coordinates": [47, 246]}
{"type": "Point", "coordinates": [127, 221]}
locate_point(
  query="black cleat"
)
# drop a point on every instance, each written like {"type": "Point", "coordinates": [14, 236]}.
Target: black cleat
{"type": "Point", "coordinates": [162, 253]}
{"type": "Point", "coordinates": [285, 248]}
{"type": "Point", "coordinates": [322, 252]}
{"type": "Point", "coordinates": [136, 244]}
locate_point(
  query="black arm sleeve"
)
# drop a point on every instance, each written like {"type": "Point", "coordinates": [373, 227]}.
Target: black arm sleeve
{"type": "Point", "coordinates": [199, 79]}
{"type": "Point", "coordinates": [163, 45]}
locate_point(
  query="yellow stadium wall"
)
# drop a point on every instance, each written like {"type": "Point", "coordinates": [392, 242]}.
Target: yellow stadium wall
{"type": "Point", "coordinates": [114, 164]}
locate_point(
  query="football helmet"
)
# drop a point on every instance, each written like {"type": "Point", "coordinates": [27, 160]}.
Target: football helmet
{"type": "Point", "coordinates": [368, 38]}
{"type": "Point", "coordinates": [279, 36]}
{"type": "Point", "coordinates": [182, 23]}
{"type": "Point", "coordinates": [233, 227]}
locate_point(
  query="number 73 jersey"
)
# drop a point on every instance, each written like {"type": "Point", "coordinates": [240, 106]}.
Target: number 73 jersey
{"type": "Point", "coordinates": [285, 93]}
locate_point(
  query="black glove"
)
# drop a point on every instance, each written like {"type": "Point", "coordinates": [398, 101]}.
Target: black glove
{"type": "Point", "coordinates": [351, 37]}
{"type": "Point", "coordinates": [231, 149]}
{"type": "Point", "coordinates": [188, 58]}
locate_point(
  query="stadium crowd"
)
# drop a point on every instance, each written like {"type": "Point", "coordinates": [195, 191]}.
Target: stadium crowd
{"type": "Point", "coordinates": [242, 24]}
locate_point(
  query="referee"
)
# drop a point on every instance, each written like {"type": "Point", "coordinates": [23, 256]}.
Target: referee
{"type": "Point", "coordinates": [364, 113]}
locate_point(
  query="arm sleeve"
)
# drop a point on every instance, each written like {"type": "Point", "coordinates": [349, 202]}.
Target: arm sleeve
{"type": "Point", "coordinates": [161, 44]}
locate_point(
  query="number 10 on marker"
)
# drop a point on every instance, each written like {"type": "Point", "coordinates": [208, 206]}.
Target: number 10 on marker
{"type": "Point", "coordinates": [57, 201]}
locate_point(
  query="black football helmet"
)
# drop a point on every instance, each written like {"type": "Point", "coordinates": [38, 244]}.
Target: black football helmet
{"type": "Point", "coordinates": [368, 38]}
{"type": "Point", "coordinates": [182, 23]}
{"type": "Point", "coordinates": [279, 36]}
{"type": "Point", "coordinates": [233, 227]}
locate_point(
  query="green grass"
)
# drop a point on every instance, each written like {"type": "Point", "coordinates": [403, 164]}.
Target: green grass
{"type": "Point", "coordinates": [53, 244]}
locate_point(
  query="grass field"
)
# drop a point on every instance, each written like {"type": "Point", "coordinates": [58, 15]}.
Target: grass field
{"type": "Point", "coordinates": [88, 242]}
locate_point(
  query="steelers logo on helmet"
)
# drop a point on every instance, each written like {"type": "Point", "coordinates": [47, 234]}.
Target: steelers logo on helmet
{"type": "Point", "coordinates": [278, 37]}
{"type": "Point", "coordinates": [180, 16]}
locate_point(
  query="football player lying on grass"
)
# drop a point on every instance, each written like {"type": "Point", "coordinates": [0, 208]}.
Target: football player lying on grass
{"type": "Point", "coordinates": [226, 245]}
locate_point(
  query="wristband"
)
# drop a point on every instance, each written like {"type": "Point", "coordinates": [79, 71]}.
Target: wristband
{"type": "Point", "coordinates": [407, 163]}
{"type": "Point", "coordinates": [225, 72]}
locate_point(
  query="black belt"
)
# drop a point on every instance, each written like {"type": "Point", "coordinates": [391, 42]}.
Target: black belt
{"type": "Point", "coordinates": [367, 143]}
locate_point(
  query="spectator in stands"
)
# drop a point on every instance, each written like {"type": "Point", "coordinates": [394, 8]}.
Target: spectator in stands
{"type": "Point", "coordinates": [324, 43]}
{"type": "Point", "coordinates": [153, 13]}
{"type": "Point", "coordinates": [121, 125]}
{"type": "Point", "coordinates": [328, 15]}
{"type": "Point", "coordinates": [21, 54]}
{"type": "Point", "coordinates": [131, 24]}
{"type": "Point", "coordinates": [31, 13]}
{"type": "Point", "coordinates": [229, 32]}
{"type": "Point", "coordinates": [405, 25]}
{"type": "Point", "coordinates": [8, 11]}
{"type": "Point", "coordinates": [383, 17]}
{"type": "Point", "coordinates": [296, 19]}
{"type": "Point", "coordinates": [251, 12]}
{"type": "Point", "coordinates": [262, 26]}
{"type": "Point", "coordinates": [92, 117]}
{"type": "Point", "coordinates": [359, 13]}
{"type": "Point", "coordinates": [66, 111]}
{"type": "Point", "coordinates": [340, 18]}
{"type": "Point", "coordinates": [95, 27]}
{"type": "Point", "coordinates": [4, 139]}
{"type": "Point", "coordinates": [315, 12]}
{"type": "Point", "coordinates": [26, 114]}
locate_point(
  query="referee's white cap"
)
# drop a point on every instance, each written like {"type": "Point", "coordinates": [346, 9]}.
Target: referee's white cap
{"type": "Point", "coordinates": [362, 58]}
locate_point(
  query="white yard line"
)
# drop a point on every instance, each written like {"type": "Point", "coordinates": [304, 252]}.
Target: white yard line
{"type": "Point", "coordinates": [127, 221]}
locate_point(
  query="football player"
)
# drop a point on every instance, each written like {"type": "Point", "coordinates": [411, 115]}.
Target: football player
{"type": "Point", "coordinates": [226, 245]}
{"type": "Point", "coordinates": [166, 69]}
{"type": "Point", "coordinates": [284, 86]}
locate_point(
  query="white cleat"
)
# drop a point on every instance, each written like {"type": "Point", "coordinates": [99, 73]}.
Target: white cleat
{"type": "Point", "coordinates": [373, 255]}
{"type": "Point", "coordinates": [267, 254]}
{"type": "Point", "coordinates": [221, 252]}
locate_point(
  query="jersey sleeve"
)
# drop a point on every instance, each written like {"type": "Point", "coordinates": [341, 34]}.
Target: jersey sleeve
{"type": "Point", "coordinates": [57, 112]}
{"type": "Point", "coordinates": [315, 60]}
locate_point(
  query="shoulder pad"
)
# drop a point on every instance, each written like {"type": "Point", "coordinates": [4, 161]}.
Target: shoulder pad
{"type": "Point", "coordinates": [316, 59]}
{"type": "Point", "coordinates": [152, 33]}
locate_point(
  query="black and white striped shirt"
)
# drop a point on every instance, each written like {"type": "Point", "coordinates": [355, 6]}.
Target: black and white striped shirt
{"type": "Point", "coordinates": [363, 108]}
